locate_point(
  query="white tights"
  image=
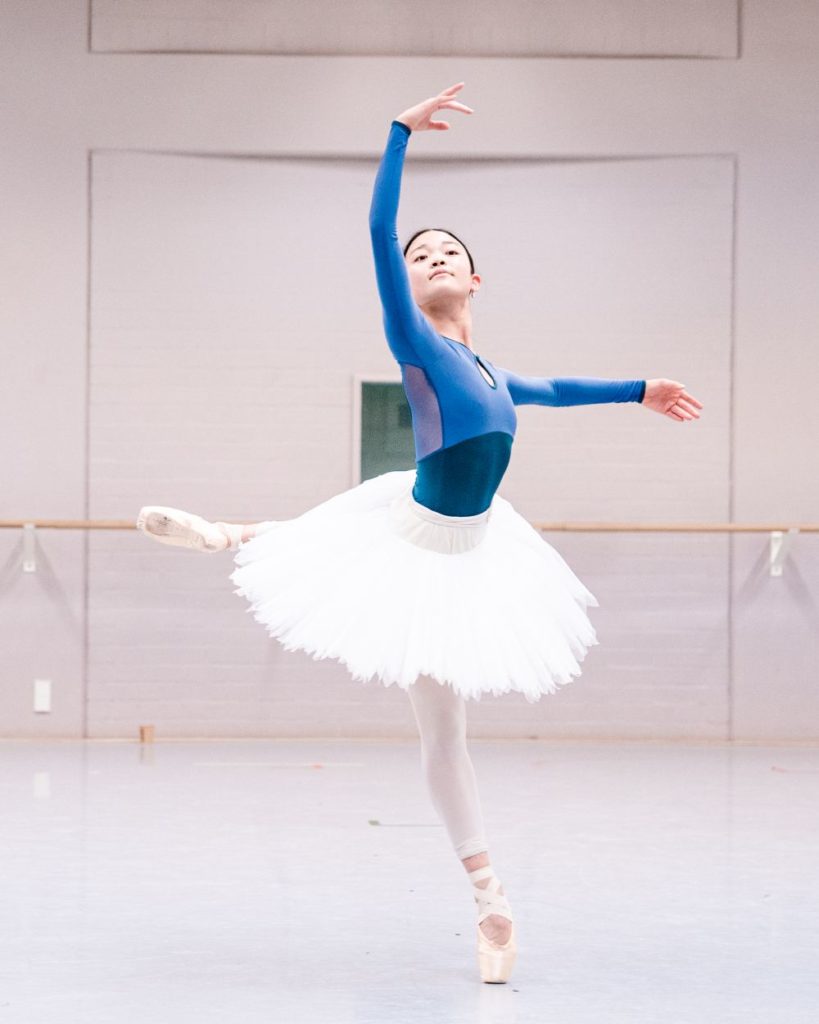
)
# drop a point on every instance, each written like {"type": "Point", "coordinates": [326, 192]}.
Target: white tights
{"type": "Point", "coordinates": [441, 717]}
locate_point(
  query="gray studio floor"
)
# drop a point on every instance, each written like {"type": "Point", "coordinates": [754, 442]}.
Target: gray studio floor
{"type": "Point", "coordinates": [309, 881]}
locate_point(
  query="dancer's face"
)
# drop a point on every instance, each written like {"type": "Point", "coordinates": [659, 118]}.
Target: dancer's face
{"type": "Point", "coordinates": [438, 268]}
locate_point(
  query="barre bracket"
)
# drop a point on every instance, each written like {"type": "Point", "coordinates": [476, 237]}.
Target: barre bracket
{"type": "Point", "coordinates": [29, 547]}
{"type": "Point", "coordinates": [780, 545]}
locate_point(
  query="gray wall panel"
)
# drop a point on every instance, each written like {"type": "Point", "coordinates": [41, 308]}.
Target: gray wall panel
{"type": "Point", "coordinates": [614, 28]}
{"type": "Point", "coordinates": [205, 332]}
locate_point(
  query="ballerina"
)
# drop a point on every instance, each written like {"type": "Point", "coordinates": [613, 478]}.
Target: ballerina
{"type": "Point", "coordinates": [428, 579]}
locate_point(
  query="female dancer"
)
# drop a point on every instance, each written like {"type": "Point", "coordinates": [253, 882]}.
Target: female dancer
{"type": "Point", "coordinates": [426, 578]}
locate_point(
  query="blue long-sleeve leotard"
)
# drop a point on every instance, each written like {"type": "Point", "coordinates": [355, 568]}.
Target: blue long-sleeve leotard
{"type": "Point", "coordinates": [463, 425]}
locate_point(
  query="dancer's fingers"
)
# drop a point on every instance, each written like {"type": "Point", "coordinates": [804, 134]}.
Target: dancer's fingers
{"type": "Point", "coordinates": [681, 402]}
{"type": "Point", "coordinates": [440, 126]}
{"type": "Point", "coordinates": [691, 399]}
{"type": "Point", "coordinates": [454, 105]}
{"type": "Point", "coordinates": [452, 89]}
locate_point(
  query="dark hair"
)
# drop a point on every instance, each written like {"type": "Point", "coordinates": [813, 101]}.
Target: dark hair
{"type": "Point", "coordinates": [446, 231]}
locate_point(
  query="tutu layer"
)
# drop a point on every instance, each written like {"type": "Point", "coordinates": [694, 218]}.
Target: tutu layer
{"type": "Point", "coordinates": [394, 591]}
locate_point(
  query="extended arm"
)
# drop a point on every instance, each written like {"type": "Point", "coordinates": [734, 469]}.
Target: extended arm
{"type": "Point", "coordinates": [667, 397]}
{"type": "Point", "coordinates": [572, 390]}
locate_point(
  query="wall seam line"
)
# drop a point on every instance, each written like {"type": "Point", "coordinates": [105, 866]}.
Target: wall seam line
{"type": "Point", "coordinates": [731, 695]}
{"type": "Point", "coordinates": [87, 496]}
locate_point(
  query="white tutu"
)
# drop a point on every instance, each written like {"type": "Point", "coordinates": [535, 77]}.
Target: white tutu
{"type": "Point", "coordinates": [395, 591]}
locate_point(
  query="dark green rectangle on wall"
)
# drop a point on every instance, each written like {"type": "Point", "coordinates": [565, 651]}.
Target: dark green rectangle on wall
{"type": "Point", "coordinates": [386, 430]}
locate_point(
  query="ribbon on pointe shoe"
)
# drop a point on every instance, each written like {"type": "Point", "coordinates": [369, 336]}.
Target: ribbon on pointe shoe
{"type": "Point", "coordinates": [490, 900]}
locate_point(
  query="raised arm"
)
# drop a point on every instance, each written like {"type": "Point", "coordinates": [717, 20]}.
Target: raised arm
{"type": "Point", "coordinates": [409, 334]}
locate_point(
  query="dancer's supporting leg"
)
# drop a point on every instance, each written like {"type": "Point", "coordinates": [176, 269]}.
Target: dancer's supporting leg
{"type": "Point", "coordinates": [184, 529]}
{"type": "Point", "coordinates": [441, 717]}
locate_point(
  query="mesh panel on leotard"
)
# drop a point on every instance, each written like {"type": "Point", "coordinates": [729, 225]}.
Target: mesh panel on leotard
{"type": "Point", "coordinates": [426, 410]}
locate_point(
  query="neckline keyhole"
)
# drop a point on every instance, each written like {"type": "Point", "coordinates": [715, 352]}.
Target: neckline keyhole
{"type": "Point", "coordinates": [487, 376]}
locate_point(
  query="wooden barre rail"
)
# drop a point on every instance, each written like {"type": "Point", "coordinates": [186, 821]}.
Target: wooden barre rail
{"type": "Point", "coordinates": [126, 524]}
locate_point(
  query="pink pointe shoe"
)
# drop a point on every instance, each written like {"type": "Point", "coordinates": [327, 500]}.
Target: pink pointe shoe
{"type": "Point", "coordinates": [494, 960]}
{"type": "Point", "coordinates": [183, 529]}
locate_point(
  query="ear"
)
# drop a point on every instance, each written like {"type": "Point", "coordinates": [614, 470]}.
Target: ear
{"type": "Point", "coordinates": [476, 284]}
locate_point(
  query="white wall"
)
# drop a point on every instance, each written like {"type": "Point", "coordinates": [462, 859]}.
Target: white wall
{"type": "Point", "coordinates": [159, 343]}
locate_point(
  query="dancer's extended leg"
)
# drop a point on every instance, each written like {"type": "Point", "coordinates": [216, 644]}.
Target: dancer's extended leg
{"type": "Point", "coordinates": [441, 717]}
{"type": "Point", "coordinates": [184, 529]}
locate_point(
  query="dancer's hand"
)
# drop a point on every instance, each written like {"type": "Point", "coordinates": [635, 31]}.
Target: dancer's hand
{"type": "Point", "coordinates": [417, 118]}
{"type": "Point", "coordinates": [670, 398]}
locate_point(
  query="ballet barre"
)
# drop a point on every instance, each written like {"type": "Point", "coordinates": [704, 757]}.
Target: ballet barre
{"type": "Point", "coordinates": [781, 535]}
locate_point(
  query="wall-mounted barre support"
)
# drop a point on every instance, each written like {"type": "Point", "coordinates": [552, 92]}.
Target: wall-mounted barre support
{"type": "Point", "coordinates": [780, 545]}
{"type": "Point", "coordinates": [29, 547]}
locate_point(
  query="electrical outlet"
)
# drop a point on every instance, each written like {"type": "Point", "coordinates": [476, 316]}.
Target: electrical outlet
{"type": "Point", "coordinates": [42, 695]}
